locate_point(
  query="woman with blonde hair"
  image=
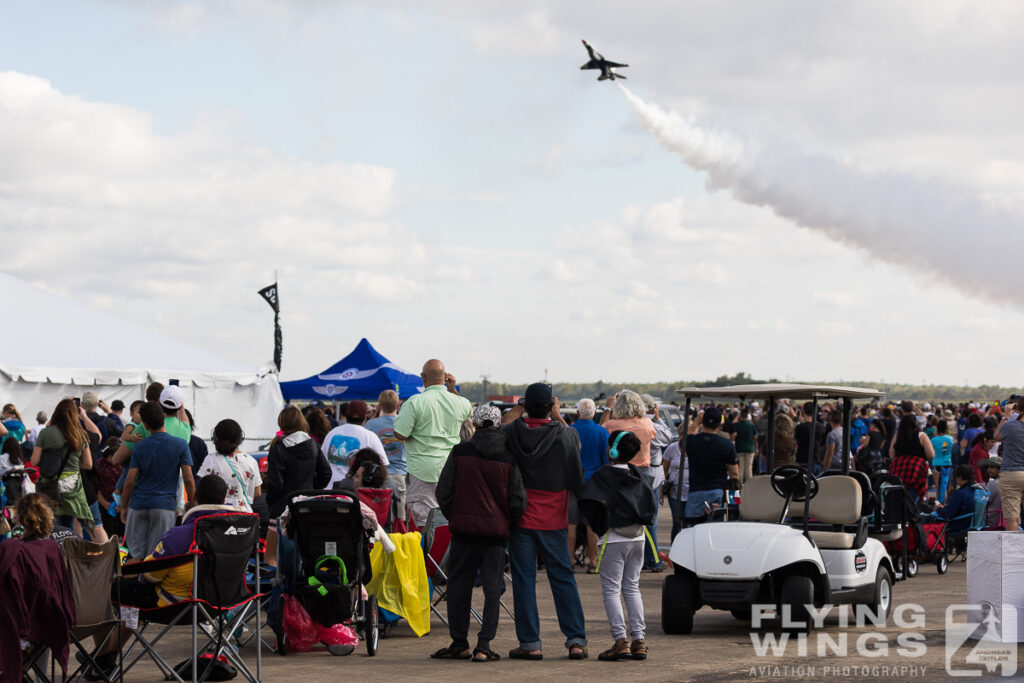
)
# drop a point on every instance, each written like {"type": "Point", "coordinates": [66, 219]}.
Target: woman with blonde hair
{"type": "Point", "coordinates": [629, 413]}
{"type": "Point", "coordinates": [69, 440]}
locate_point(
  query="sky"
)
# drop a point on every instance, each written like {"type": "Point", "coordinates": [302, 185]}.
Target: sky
{"type": "Point", "coordinates": [835, 191]}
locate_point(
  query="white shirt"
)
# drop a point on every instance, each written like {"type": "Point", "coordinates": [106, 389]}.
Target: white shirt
{"type": "Point", "coordinates": [342, 442]}
{"type": "Point", "coordinates": [240, 485]}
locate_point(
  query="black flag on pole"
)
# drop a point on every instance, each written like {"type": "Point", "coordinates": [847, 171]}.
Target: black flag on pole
{"type": "Point", "coordinates": [269, 294]}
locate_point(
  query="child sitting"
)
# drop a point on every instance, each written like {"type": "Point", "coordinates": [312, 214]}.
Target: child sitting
{"type": "Point", "coordinates": [618, 503]}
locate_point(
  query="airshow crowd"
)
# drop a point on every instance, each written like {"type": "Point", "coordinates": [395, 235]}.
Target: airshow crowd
{"type": "Point", "coordinates": [532, 481]}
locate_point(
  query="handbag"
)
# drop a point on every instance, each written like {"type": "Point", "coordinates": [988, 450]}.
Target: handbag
{"type": "Point", "coordinates": [49, 485]}
{"type": "Point", "coordinates": [51, 464]}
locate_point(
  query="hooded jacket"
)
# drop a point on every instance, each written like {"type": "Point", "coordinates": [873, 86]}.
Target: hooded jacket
{"type": "Point", "coordinates": [615, 498]}
{"type": "Point", "coordinates": [294, 463]}
{"type": "Point", "coordinates": [548, 456]}
{"type": "Point", "coordinates": [480, 489]}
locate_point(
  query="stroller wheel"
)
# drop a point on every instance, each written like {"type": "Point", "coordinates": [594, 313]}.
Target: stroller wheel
{"type": "Point", "coordinates": [371, 628]}
{"type": "Point", "coordinates": [942, 563]}
{"type": "Point", "coordinates": [911, 567]}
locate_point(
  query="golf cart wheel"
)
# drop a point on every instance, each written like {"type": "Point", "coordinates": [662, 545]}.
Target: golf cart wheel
{"type": "Point", "coordinates": [942, 563]}
{"type": "Point", "coordinates": [371, 628]}
{"type": "Point", "coordinates": [883, 594]}
{"type": "Point", "coordinates": [911, 567]}
{"type": "Point", "coordinates": [678, 603]}
{"type": "Point", "coordinates": [741, 613]}
{"type": "Point", "coordinates": [798, 593]}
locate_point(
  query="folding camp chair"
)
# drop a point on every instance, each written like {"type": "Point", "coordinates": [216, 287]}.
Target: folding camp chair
{"type": "Point", "coordinates": [437, 539]}
{"type": "Point", "coordinates": [92, 569]}
{"type": "Point", "coordinates": [221, 547]}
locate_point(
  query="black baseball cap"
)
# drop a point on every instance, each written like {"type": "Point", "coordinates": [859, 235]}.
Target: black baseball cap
{"type": "Point", "coordinates": [712, 416]}
{"type": "Point", "coordinates": [538, 396]}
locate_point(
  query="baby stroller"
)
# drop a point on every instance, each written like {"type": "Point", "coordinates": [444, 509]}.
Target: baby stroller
{"type": "Point", "coordinates": [330, 564]}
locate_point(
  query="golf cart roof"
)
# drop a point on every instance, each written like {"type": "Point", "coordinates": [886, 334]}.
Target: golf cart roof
{"type": "Point", "coordinates": [778, 391]}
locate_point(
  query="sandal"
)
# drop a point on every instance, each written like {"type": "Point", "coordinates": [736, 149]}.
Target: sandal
{"type": "Point", "coordinates": [639, 649]}
{"type": "Point", "coordinates": [489, 655]}
{"type": "Point", "coordinates": [520, 653]}
{"type": "Point", "coordinates": [618, 650]}
{"type": "Point", "coordinates": [451, 653]}
{"type": "Point", "coordinates": [592, 569]}
{"type": "Point", "coordinates": [578, 652]}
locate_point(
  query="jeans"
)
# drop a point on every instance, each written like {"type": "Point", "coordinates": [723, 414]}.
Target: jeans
{"type": "Point", "coordinates": [464, 561]}
{"type": "Point", "coordinates": [695, 503]}
{"type": "Point", "coordinates": [620, 576]}
{"type": "Point", "coordinates": [523, 545]}
{"type": "Point", "coordinates": [651, 558]}
{"type": "Point", "coordinates": [944, 471]}
{"type": "Point", "coordinates": [677, 507]}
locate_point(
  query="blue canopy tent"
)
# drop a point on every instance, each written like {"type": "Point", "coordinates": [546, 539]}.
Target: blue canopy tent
{"type": "Point", "coordinates": [362, 374]}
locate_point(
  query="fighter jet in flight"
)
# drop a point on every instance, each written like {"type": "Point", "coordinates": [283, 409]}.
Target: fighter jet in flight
{"type": "Point", "coordinates": [599, 62]}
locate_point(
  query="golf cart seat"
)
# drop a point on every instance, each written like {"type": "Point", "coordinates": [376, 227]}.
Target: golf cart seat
{"type": "Point", "coordinates": [759, 502]}
{"type": "Point", "coordinates": [868, 500]}
{"type": "Point", "coordinates": [836, 512]}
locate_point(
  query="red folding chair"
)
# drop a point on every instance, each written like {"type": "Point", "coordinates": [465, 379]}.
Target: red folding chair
{"type": "Point", "coordinates": [379, 500]}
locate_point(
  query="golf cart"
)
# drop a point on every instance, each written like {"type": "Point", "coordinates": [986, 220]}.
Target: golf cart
{"type": "Point", "coordinates": [800, 540]}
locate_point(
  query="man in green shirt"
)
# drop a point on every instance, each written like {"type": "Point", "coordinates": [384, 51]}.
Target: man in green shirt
{"type": "Point", "coordinates": [745, 435]}
{"type": "Point", "coordinates": [429, 425]}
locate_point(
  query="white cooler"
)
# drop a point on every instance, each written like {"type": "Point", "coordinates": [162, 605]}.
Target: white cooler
{"type": "Point", "coordinates": [995, 577]}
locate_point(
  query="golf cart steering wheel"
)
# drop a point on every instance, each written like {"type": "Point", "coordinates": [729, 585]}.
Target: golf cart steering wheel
{"type": "Point", "coordinates": [795, 481]}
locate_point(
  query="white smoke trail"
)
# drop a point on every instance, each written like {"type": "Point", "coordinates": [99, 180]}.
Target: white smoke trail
{"type": "Point", "coordinates": [934, 229]}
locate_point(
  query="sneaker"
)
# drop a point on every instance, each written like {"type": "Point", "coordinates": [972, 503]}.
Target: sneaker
{"type": "Point", "coordinates": [618, 650]}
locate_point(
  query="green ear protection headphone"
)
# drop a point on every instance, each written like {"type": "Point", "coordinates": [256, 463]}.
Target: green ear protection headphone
{"type": "Point", "coordinates": [613, 452]}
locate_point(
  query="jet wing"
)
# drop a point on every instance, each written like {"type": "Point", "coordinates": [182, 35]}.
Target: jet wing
{"type": "Point", "coordinates": [613, 64]}
{"type": "Point", "coordinates": [592, 64]}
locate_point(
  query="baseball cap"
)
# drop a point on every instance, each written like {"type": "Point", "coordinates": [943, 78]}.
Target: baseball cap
{"type": "Point", "coordinates": [356, 410]}
{"type": "Point", "coordinates": [171, 397]}
{"type": "Point", "coordinates": [538, 395]}
{"type": "Point", "coordinates": [712, 416]}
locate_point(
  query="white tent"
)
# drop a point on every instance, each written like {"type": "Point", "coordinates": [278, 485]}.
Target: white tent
{"type": "Point", "coordinates": [68, 348]}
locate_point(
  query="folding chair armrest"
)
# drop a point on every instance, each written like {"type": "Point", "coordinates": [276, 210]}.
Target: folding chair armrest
{"type": "Point", "coordinates": [158, 564]}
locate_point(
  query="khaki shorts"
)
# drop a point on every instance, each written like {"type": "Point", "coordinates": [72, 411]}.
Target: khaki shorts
{"type": "Point", "coordinates": [1011, 487]}
{"type": "Point", "coordinates": [420, 499]}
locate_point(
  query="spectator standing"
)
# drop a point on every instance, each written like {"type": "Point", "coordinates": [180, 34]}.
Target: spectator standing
{"type": "Point", "coordinates": [834, 442]}
{"type": "Point", "coordinates": [1011, 485]}
{"type": "Point", "coordinates": [151, 487]}
{"type": "Point", "coordinates": [348, 438]}
{"type": "Point", "coordinates": [90, 403]}
{"type": "Point", "coordinates": [975, 426]}
{"type": "Point", "coordinates": [677, 491]}
{"type": "Point", "coordinates": [196, 445]}
{"type": "Point", "coordinates": [942, 444]}
{"type": "Point", "coordinates": [41, 419]}
{"type": "Point", "coordinates": [548, 455]}
{"type": "Point", "coordinates": [809, 431]}
{"type": "Point", "coordinates": [112, 420]}
{"type": "Point", "coordinates": [13, 423]}
{"type": "Point", "coordinates": [384, 427]}
{"type": "Point", "coordinates": [239, 470]}
{"type": "Point", "coordinates": [618, 503]}
{"type": "Point", "coordinates": [294, 461]}
{"type": "Point", "coordinates": [746, 444]}
{"type": "Point", "coordinates": [67, 435]}
{"type": "Point", "coordinates": [713, 462]}
{"type": "Point", "coordinates": [593, 454]}
{"type": "Point", "coordinates": [429, 424]}
{"type": "Point", "coordinates": [663, 436]}
{"type": "Point", "coordinates": [480, 491]}
{"type": "Point", "coordinates": [785, 443]}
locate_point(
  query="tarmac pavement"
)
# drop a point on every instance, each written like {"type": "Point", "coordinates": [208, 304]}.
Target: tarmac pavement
{"type": "Point", "coordinates": [719, 649]}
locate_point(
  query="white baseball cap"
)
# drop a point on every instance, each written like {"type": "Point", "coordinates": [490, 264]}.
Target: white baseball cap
{"type": "Point", "coordinates": [171, 397]}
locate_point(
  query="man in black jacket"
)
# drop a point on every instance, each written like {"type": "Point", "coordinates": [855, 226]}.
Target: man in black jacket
{"type": "Point", "coordinates": [481, 492]}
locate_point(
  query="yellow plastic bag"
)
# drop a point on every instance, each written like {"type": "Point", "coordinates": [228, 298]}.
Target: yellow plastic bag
{"type": "Point", "coordinates": [400, 581]}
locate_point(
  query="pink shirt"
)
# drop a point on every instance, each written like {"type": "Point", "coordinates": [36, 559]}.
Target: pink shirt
{"type": "Point", "coordinates": [643, 428]}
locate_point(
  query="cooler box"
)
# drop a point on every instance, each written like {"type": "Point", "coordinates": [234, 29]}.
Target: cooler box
{"type": "Point", "coordinates": [995, 577]}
